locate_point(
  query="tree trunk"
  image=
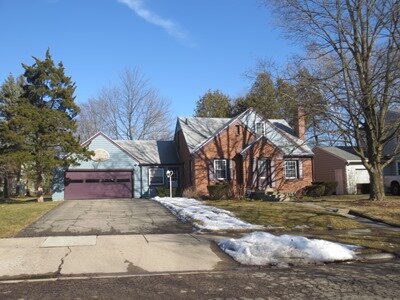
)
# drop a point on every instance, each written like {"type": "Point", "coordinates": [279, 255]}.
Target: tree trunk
{"type": "Point", "coordinates": [39, 189]}
{"type": "Point", "coordinates": [5, 188]}
{"type": "Point", "coordinates": [377, 187]}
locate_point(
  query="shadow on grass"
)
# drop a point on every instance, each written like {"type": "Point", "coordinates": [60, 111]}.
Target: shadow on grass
{"type": "Point", "coordinates": [22, 200]}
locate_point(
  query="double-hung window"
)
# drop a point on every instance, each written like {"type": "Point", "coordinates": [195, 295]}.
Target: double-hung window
{"type": "Point", "coordinates": [220, 169]}
{"type": "Point", "coordinates": [291, 169]}
{"type": "Point", "coordinates": [156, 176]}
{"type": "Point", "coordinates": [260, 129]}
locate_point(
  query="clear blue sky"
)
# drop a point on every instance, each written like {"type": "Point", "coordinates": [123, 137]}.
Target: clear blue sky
{"type": "Point", "coordinates": [184, 47]}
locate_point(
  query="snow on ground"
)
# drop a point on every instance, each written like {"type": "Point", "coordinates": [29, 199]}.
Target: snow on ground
{"type": "Point", "coordinates": [204, 217]}
{"type": "Point", "coordinates": [261, 248]}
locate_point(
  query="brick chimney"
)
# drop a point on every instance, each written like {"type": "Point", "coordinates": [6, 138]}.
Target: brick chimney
{"type": "Point", "coordinates": [300, 124]}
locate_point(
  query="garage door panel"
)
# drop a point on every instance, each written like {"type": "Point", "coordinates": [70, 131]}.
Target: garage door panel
{"type": "Point", "coordinates": [98, 185]}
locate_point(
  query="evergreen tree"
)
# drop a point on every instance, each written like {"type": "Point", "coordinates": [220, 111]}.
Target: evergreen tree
{"type": "Point", "coordinates": [10, 163]}
{"type": "Point", "coordinates": [42, 121]}
{"type": "Point", "coordinates": [261, 98]}
{"type": "Point", "coordinates": [213, 104]}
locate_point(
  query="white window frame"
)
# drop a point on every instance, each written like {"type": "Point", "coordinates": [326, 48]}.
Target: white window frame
{"type": "Point", "coordinates": [150, 175]}
{"type": "Point", "coordinates": [224, 162]}
{"type": "Point", "coordinates": [296, 169]}
{"type": "Point", "coordinates": [263, 128]}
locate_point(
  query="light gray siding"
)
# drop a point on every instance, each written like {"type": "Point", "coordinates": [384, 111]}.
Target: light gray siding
{"type": "Point", "coordinates": [119, 160]}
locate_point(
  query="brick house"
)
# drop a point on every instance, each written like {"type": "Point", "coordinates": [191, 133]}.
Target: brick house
{"type": "Point", "coordinates": [247, 151]}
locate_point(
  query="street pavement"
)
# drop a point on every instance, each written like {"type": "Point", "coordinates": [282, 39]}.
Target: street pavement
{"type": "Point", "coordinates": [378, 280]}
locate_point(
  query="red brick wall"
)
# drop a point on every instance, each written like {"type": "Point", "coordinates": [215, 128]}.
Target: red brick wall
{"type": "Point", "coordinates": [263, 149]}
{"type": "Point", "coordinates": [184, 156]}
{"type": "Point", "coordinates": [226, 145]}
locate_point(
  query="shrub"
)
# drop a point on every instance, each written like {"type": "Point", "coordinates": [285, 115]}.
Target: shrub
{"type": "Point", "coordinates": [219, 191]}
{"type": "Point", "coordinates": [330, 188]}
{"type": "Point", "coordinates": [190, 193]}
{"type": "Point", "coordinates": [315, 190]}
{"type": "Point", "coordinates": [163, 191]}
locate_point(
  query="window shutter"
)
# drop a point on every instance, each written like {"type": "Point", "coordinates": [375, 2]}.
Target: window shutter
{"type": "Point", "coordinates": [273, 175]}
{"type": "Point", "coordinates": [254, 173]}
{"type": "Point", "coordinates": [231, 169]}
{"type": "Point", "coordinates": [211, 176]}
{"type": "Point", "coordinates": [300, 163]}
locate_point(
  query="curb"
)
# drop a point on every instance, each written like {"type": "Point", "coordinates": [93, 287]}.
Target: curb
{"type": "Point", "coordinates": [358, 214]}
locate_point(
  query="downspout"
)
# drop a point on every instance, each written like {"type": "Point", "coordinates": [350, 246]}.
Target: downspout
{"type": "Point", "coordinates": [141, 182]}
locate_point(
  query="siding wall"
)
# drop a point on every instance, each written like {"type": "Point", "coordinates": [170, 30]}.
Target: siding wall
{"type": "Point", "coordinates": [325, 165]}
{"type": "Point", "coordinates": [119, 160]}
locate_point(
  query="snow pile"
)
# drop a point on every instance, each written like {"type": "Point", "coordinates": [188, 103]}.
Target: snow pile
{"type": "Point", "coordinates": [203, 216]}
{"type": "Point", "coordinates": [261, 248]}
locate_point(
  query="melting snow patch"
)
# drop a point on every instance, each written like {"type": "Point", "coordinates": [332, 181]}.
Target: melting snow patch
{"type": "Point", "coordinates": [203, 216]}
{"type": "Point", "coordinates": [261, 248]}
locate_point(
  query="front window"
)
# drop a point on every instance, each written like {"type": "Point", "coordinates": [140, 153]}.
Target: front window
{"type": "Point", "coordinates": [260, 128]}
{"type": "Point", "coordinates": [291, 169]}
{"type": "Point", "coordinates": [398, 167]}
{"type": "Point", "coordinates": [220, 170]}
{"type": "Point", "coordinates": [156, 176]}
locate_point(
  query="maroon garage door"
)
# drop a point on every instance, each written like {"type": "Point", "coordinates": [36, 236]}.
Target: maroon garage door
{"type": "Point", "coordinates": [97, 185]}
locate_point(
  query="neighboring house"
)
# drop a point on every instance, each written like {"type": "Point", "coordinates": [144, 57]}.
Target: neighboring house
{"type": "Point", "coordinates": [342, 165]}
{"type": "Point", "coordinates": [247, 152]}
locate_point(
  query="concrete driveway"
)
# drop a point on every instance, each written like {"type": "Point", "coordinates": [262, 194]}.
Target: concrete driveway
{"type": "Point", "coordinates": [106, 217]}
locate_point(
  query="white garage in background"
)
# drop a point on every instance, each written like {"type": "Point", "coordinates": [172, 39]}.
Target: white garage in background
{"type": "Point", "coordinates": [342, 165]}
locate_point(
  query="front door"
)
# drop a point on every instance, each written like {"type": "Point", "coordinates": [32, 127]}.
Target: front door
{"type": "Point", "coordinates": [264, 173]}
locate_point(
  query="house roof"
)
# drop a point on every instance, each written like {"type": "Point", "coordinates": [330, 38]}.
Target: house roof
{"type": "Point", "coordinates": [198, 130]}
{"type": "Point", "coordinates": [286, 142]}
{"type": "Point", "coordinates": [151, 152]}
{"type": "Point", "coordinates": [346, 153]}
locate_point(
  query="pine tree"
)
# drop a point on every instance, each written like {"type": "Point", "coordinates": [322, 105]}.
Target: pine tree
{"type": "Point", "coordinates": [261, 98]}
{"type": "Point", "coordinates": [213, 104]}
{"type": "Point", "coordinates": [43, 123]}
{"type": "Point", "coordinates": [10, 162]}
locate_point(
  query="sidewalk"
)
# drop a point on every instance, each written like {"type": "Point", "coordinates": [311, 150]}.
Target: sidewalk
{"type": "Point", "coordinates": [113, 254]}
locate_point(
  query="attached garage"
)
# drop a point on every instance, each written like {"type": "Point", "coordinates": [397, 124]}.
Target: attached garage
{"type": "Point", "coordinates": [97, 185]}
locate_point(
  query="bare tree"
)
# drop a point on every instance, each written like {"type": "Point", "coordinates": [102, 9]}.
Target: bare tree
{"type": "Point", "coordinates": [353, 50]}
{"type": "Point", "coordinates": [131, 110]}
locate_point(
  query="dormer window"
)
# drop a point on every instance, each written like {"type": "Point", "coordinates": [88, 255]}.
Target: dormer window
{"type": "Point", "coordinates": [260, 129]}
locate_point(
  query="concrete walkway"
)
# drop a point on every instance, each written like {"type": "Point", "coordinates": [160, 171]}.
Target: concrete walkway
{"type": "Point", "coordinates": [112, 254]}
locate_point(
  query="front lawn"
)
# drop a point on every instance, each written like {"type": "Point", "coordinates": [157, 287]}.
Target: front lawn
{"type": "Point", "coordinates": [296, 218]}
{"type": "Point", "coordinates": [388, 211]}
{"type": "Point", "coordinates": [16, 215]}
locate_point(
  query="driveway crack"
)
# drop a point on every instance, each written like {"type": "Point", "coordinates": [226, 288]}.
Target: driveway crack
{"type": "Point", "coordinates": [58, 273]}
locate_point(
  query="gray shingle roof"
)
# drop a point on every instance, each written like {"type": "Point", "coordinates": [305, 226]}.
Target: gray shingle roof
{"type": "Point", "coordinates": [289, 144]}
{"type": "Point", "coordinates": [343, 152]}
{"type": "Point", "coordinates": [151, 152]}
{"type": "Point", "coordinates": [198, 130]}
